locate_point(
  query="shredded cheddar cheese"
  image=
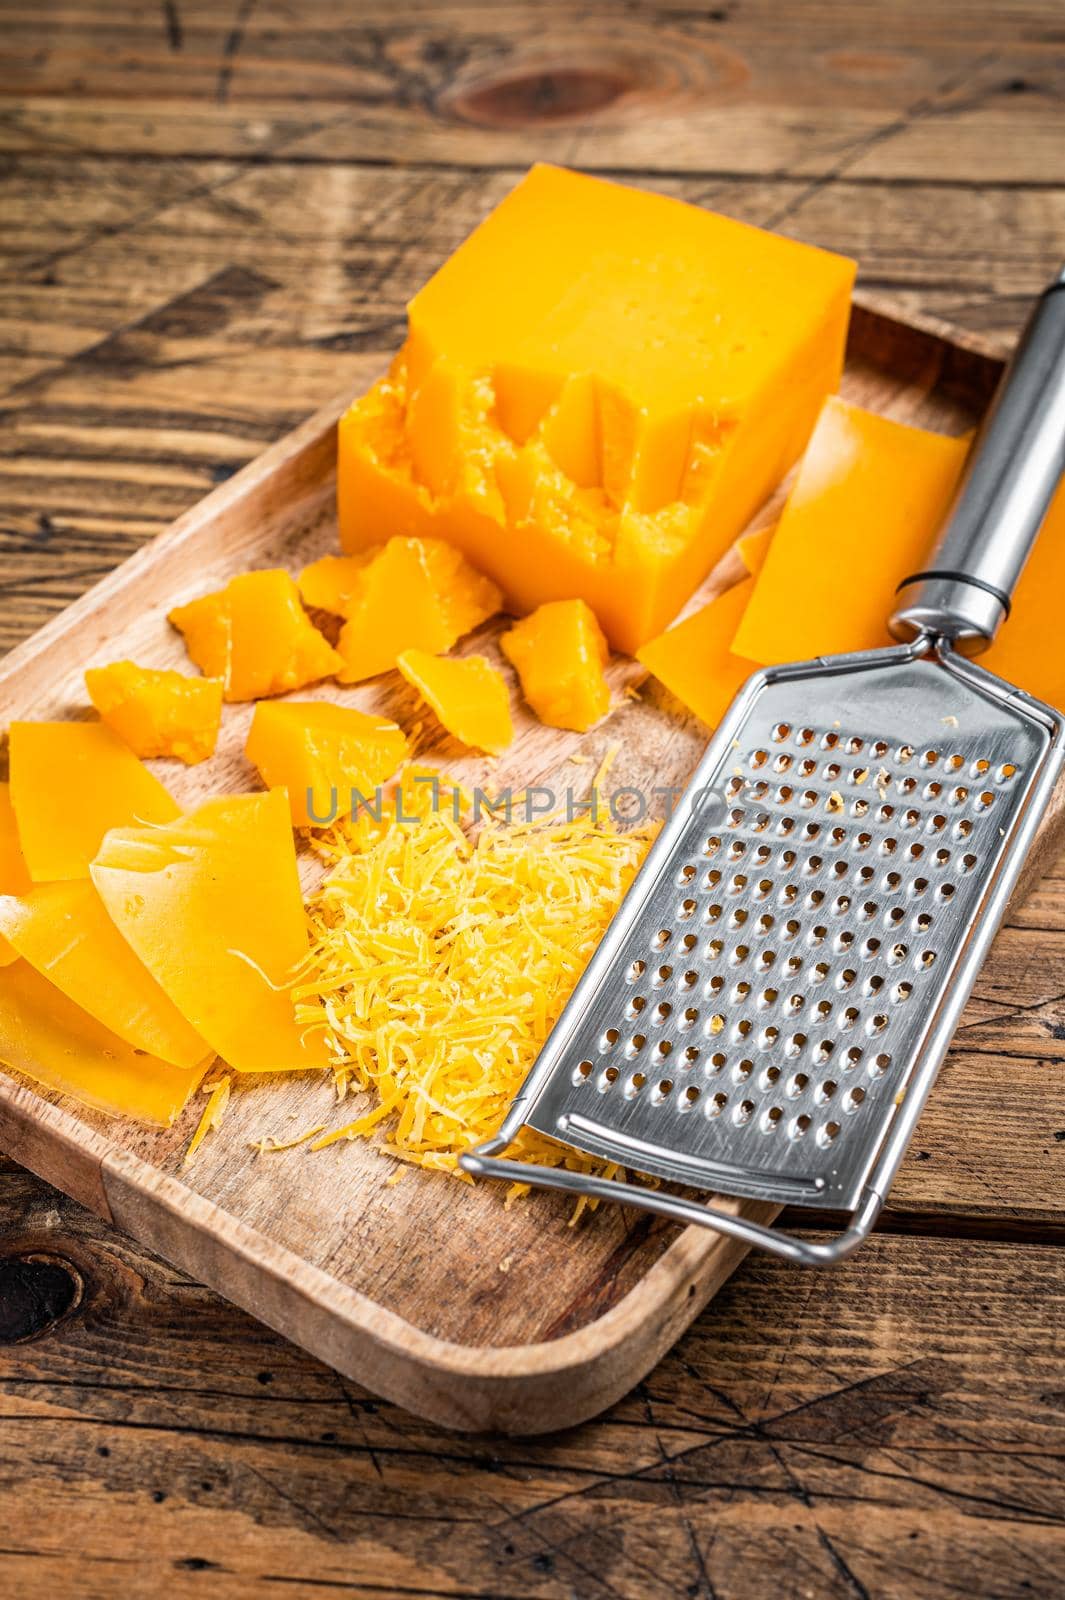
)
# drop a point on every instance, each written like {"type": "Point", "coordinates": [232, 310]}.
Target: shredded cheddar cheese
{"type": "Point", "coordinates": [214, 1111]}
{"type": "Point", "coordinates": [442, 962]}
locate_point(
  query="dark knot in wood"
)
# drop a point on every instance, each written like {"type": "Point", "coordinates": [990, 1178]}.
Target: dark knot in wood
{"type": "Point", "coordinates": [555, 94]}
{"type": "Point", "coordinates": [36, 1292]}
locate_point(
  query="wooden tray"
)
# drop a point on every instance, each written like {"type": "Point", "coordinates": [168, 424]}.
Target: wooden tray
{"type": "Point", "coordinates": [427, 1292]}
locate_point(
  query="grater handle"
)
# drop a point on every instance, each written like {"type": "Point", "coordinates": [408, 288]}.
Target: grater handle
{"type": "Point", "coordinates": [1014, 468]}
{"type": "Point", "coordinates": [803, 1251]}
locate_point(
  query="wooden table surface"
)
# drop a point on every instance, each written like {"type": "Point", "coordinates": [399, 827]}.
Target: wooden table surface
{"type": "Point", "coordinates": [213, 214]}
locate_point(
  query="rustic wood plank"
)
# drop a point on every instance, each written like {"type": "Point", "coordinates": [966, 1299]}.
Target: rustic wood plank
{"type": "Point", "coordinates": [867, 1431]}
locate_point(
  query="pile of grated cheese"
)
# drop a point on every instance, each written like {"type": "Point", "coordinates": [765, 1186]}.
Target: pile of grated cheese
{"type": "Point", "coordinates": [442, 962]}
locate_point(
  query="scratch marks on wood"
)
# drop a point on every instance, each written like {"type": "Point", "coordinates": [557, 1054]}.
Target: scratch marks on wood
{"type": "Point", "coordinates": [231, 50]}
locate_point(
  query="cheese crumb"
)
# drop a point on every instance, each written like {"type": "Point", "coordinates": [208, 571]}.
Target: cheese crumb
{"type": "Point", "coordinates": [214, 1111]}
{"type": "Point", "coordinates": [950, 722]}
{"type": "Point", "coordinates": [835, 801]}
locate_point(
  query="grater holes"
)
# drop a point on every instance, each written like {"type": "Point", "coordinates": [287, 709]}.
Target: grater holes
{"type": "Point", "coordinates": [583, 1071]}
{"type": "Point", "coordinates": [853, 1057]}
{"type": "Point", "coordinates": [795, 1044]}
{"type": "Point", "coordinates": [636, 972]}
{"type": "Point", "coordinates": [712, 845]}
{"type": "Point", "coordinates": [742, 1071]}
{"type": "Point", "coordinates": [941, 858]}
{"type": "Point", "coordinates": [689, 1019]}
{"type": "Point", "coordinates": [686, 875]}
{"type": "Point", "coordinates": [1006, 773]}
{"type": "Point", "coordinates": [894, 917]}
{"type": "Point", "coordinates": [904, 754]}
{"type": "Point", "coordinates": [796, 1085]}
{"type": "Point", "coordinates": [826, 1134]}
{"type": "Point", "coordinates": [716, 1105]}
{"type": "Point", "coordinates": [661, 938]}
{"type": "Point", "coordinates": [829, 741]}
{"type": "Point", "coordinates": [873, 984]}
{"type": "Point", "coordinates": [879, 749]}
{"type": "Point", "coordinates": [716, 1024]}
{"type": "Point", "coordinates": [771, 1119]}
{"type": "Point", "coordinates": [822, 1052]}
{"type": "Point", "coordinates": [758, 759]}
{"type": "Point", "coordinates": [662, 976]}
{"type": "Point", "coordinates": [661, 1012]}
{"type": "Point", "coordinates": [781, 732]}
{"type": "Point", "coordinates": [954, 763]}
{"type": "Point", "coordinates": [929, 758]}
{"type": "Point", "coordinates": [718, 1062]}
{"type": "Point", "coordinates": [946, 891]}
{"type": "Point", "coordinates": [782, 763]}
{"type": "Point", "coordinates": [736, 850]}
{"type": "Point", "coordinates": [799, 1125]}
{"type": "Point", "coordinates": [831, 771]}
{"type": "Point", "coordinates": [968, 862]}
{"type": "Point", "coordinates": [768, 997]}
{"type": "Point", "coordinates": [876, 1024]}
{"type": "Point", "coordinates": [686, 910]}
{"type": "Point", "coordinates": [805, 737]}
{"type": "Point", "coordinates": [662, 1090]}
{"type": "Point", "coordinates": [960, 794]}
{"type": "Point", "coordinates": [850, 1017]}
{"type": "Point", "coordinates": [901, 993]}
{"type": "Point", "coordinates": [769, 1076]}
{"type": "Point", "coordinates": [712, 878]}
{"type": "Point", "coordinates": [907, 785]}
{"type": "Point", "coordinates": [608, 1040]}
{"type": "Point", "coordinates": [607, 1078]}
{"type": "Point", "coordinates": [962, 828]}
{"type": "Point", "coordinates": [926, 959]}
{"type": "Point", "coordinates": [691, 1056]}
{"type": "Point", "coordinates": [846, 978]}
{"type": "Point", "coordinates": [663, 1049]}
{"type": "Point", "coordinates": [853, 1098]}
{"type": "Point", "coordinates": [983, 801]}
{"type": "Point", "coordinates": [897, 954]}
{"type": "Point", "coordinates": [768, 1038]}
{"type": "Point", "coordinates": [938, 822]}
{"type": "Point", "coordinates": [863, 841]}
{"type": "Point", "coordinates": [743, 1113]}
{"type": "Point", "coordinates": [879, 1065]}
{"type": "Point", "coordinates": [635, 1006]}
{"type": "Point", "coordinates": [635, 1045]}
{"type": "Point", "coordinates": [689, 1098]}
{"type": "Point", "coordinates": [740, 955]}
{"type": "Point", "coordinates": [825, 1091]}
{"type": "Point", "coordinates": [634, 1085]}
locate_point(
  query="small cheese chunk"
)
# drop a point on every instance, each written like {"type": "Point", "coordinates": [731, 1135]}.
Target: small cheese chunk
{"type": "Point", "coordinates": [321, 753]}
{"type": "Point", "coordinates": [158, 713]}
{"type": "Point", "coordinates": [559, 653]}
{"type": "Point", "coordinates": [255, 635]}
{"type": "Point", "coordinates": [468, 696]}
{"type": "Point", "coordinates": [416, 594]}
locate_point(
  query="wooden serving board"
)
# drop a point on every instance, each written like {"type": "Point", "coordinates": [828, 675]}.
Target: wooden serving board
{"type": "Point", "coordinates": [427, 1291]}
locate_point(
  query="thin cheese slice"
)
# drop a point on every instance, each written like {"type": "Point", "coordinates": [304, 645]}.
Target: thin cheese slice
{"type": "Point", "coordinates": [869, 497]}
{"type": "Point", "coordinates": [211, 904]}
{"type": "Point", "coordinates": [14, 879]}
{"type": "Point", "coordinates": [70, 782]}
{"type": "Point", "coordinates": [695, 660]}
{"type": "Point", "coordinates": [50, 1040]}
{"type": "Point", "coordinates": [63, 931]}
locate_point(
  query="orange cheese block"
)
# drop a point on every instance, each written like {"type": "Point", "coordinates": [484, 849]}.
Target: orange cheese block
{"type": "Point", "coordinates": [327, 757]}
{"type": "Point", "coordinates": [414, 595]}
{"type": "Point", "coordinates": [468, 696]}
{"type": "Point", "coordinates": [255, 635]}
{"type": "Point", "coordinates": [864, 511]}
{"type": "Point", "coordinates": [49, 1039]}
{"type": "Point", "coordinates": [695, 660]}
{"type": "Point", "coordinates": [559, 653]}
{"type": "Point", "coordinates": [211, 904]}
{"type": "Point", "coordinates": [14, 879]}
{"type": "Point", "coordinates": [332, 583]}
{"type": "Point", "coordinates": [158, 713]}
{"type": "Point", "coordinates": [597, 391]}
{"type": "Point", "coordinates": [63, 931]}
{"type": "Point", "coordinates": [70, 782]}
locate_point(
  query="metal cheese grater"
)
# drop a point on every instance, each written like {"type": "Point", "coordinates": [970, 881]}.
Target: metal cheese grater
{"type": "Point", "coordinates": [769, 1008]}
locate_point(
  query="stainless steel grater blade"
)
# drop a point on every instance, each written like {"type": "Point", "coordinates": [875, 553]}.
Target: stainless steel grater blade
{"type": "Point", "coordinates": [768, 1010]}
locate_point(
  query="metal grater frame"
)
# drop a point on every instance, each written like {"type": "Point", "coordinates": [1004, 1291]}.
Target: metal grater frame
{"type": "Point", "coordinates": [768, 1010]}
{"type": "Point", "coordinates": [798, 945]}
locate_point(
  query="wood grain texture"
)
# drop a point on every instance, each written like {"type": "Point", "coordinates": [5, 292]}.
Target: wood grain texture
{"type": "Point", "coordinates": [858, 1433]}
{"type": "Point", "coordinates": [212, 217]}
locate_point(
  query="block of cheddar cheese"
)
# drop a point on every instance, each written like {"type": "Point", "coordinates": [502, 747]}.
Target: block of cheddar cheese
{"type": "Point", "coordinates": [597, 391]}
